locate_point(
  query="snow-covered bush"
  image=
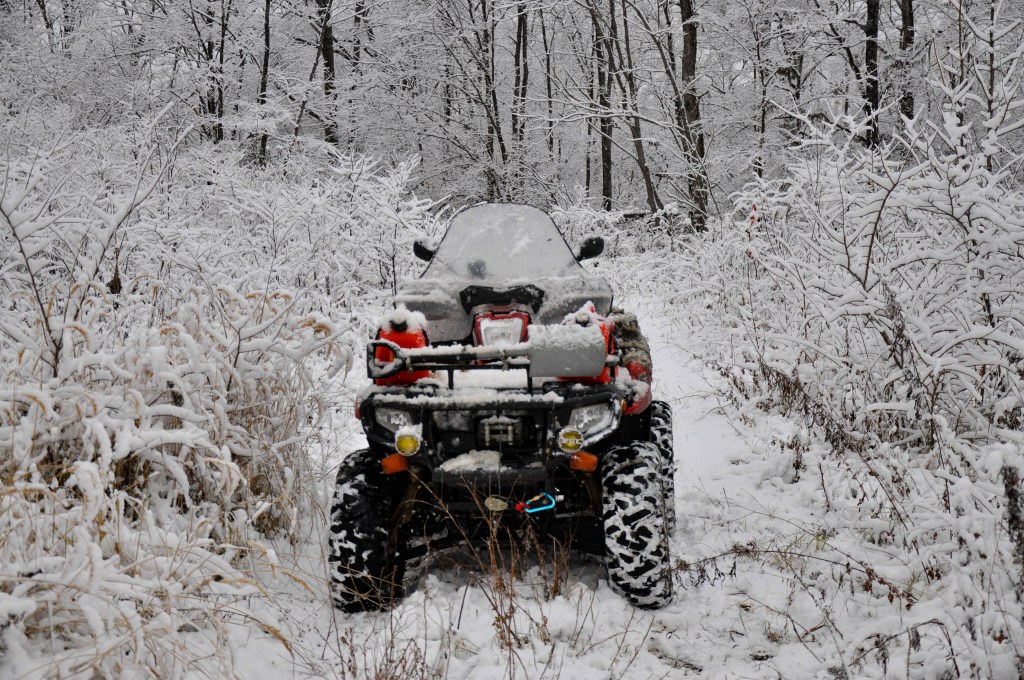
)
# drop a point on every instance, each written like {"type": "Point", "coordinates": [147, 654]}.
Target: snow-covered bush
{"type": "Point", "coordinates": [875, 294]}
{"type": "Point", "coordinates": [161, 339]}
{"type": "Point", "coordinates": [342, 235]}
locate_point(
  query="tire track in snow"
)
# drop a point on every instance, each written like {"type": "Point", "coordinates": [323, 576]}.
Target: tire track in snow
{"type": "Point", "coordinates": [732, 493]}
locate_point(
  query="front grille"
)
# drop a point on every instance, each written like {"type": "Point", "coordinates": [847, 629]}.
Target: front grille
{"type": "Point", "coordinates": [461, 431]}
{"type": "Point", "coordinates": [497, 432]}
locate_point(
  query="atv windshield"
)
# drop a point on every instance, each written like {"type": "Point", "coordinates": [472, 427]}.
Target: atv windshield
{"type": "Point", "coordinates": [494, 252]}
{"type": "Point", "coordinates": [502, 243]}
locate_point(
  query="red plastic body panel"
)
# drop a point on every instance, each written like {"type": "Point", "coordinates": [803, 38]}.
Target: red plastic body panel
{"type": "Point", "coordinates": [638, 372]}
{"type": "Point", "coordinates": [408, 339]}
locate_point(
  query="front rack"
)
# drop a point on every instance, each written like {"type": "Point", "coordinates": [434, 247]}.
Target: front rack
{"type": "Point", "coordinates": [461, 358]}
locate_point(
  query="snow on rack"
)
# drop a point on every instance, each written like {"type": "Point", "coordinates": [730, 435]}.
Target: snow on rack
{"type": "Point", "coordinates": [487, 461]}
{"type": "Point", "coordinates": [469, 398]}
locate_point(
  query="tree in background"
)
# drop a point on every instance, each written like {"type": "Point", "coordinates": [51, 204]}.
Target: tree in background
{"type": "Point", "coordinates": [628, 104]}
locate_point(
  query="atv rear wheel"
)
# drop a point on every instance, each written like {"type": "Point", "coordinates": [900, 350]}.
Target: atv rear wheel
{"type": "Point", "coordinates": [635, 525]}
{"type": "Point", "coordinates": [661, 436]}
{"type": "Point", "coordinates": [365, 571]}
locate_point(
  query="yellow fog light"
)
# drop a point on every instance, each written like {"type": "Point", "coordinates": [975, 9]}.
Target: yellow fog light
{"type": "Point", "coordinates": [570, 441]}
{"type": "Point", "coordinates": [407, 444]}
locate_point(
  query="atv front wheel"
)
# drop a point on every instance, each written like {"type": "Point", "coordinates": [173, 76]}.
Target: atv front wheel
{"type": "Point", "coordinates": [635, 525]}
{"type": "Point", "coordinates": [366, 574]}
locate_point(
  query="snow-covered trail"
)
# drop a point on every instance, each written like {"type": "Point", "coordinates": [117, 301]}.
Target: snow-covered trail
{"type": "Point", "coordinates": [464, 621]}
{"type": "Point", "coordinates": [732, 490]}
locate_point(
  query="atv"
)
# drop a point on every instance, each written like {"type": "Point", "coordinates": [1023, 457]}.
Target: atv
{"type": "Point", "coordinates": [507, 392]}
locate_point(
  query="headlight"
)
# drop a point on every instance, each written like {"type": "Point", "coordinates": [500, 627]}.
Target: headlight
{"type": "Point", "coordinates": [594, 420]}
{"type": "Point", "coordinates": [593, 417]}
{"type": "Point", "coordinates": [392, 419]}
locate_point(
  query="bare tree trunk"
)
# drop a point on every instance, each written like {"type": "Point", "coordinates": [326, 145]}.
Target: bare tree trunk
{"type": "Point", "coordinates": [698, 180]}
{"type": "Point", "coordinates": [485, 40]}
{"type": "Point", "coordinates": [548, 86]}
{"type": "Point", "coordinates": [261, 97]}
{"type": "Point", "coordinates": [357, 29]}
{"type": "Point", "coordinates": [762, 79]}
{"type": "Point", "coordinates": [360, 26]}
{"type": "Point", "coordinates": [330, 74]}
{"type": "Point", "coordinates": [906, 44]}
{"type": "Point", "coordinates": [591, 96]}
{"type": "Point", "coordinates": [225, 13]}
{"type": "Point", "coordinates": [447, 106]}
{"type": "Point", "coordinates": [603, 54]}
{"type": "Point", "coordinates": [872, 94]}
{"type": "Point", "coordinates": [519, 88]}
{"type": "Point", "coordinates": [631, 90]}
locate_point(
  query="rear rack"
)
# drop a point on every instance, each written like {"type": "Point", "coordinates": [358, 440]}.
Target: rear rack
{"type": "Point", "coordinates": [458, 358]}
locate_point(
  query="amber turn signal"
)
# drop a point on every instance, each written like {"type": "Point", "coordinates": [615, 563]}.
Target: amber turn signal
{"type": "Point", "coordinates": [583, 461]}
{"type": "Point", "coordinates": [396, 462]}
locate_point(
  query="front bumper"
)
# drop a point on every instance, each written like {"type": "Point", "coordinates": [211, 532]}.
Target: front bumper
{"type": "Point", "coordinates": [520, 426]}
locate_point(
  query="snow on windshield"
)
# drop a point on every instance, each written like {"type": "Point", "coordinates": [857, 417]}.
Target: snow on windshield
{"type": "Point", "coordinates": [501, 242]}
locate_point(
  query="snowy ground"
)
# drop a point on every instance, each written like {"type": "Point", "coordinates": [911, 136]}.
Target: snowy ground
{"type": "Point", "coordinates": [732, 617]}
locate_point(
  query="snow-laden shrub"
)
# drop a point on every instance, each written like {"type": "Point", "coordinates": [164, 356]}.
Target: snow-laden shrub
{"type": "Point", "coordinates": [339, 229]}
{"type": "Point", "coordinates": [138, 474]}
{"type": "Point", "coordinates": [163, 342]}
{"type": "Point", "coordinates": [875, 294]}
{"type": "Point", "coordinates": [886, 292]}
{"type": "Point", "coordinates": [96, 582]}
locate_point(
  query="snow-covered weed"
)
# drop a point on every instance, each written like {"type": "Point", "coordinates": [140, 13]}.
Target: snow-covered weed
{"type": "Point", "coordinates": [170, 345]}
